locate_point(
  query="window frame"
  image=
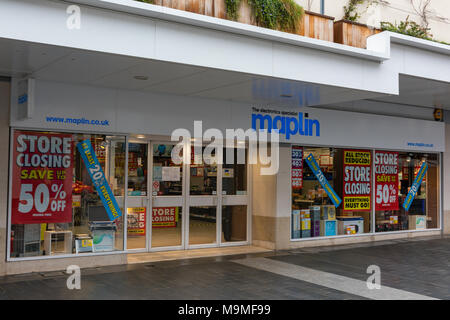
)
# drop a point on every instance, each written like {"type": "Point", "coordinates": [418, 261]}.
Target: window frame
{"type": "Point", "coordinates": [10, 169]}
{"type": "Point", "coordinates": [372, 222]}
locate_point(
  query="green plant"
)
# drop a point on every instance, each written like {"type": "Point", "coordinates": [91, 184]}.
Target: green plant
{"type": "Point", "coordinates": [232, 7]}
{"type": "Point", "coordinates": [350, 10]}
{"type": "Point", "coordinates": [283, 15]}
{"type": "Point", "coordinates": [409, 28]}
{"type": "Point", "coordinates": [146, 1]}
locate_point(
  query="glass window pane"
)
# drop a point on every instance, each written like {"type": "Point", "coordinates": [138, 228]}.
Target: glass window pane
{"type": "Point", "coordinates": [234, 223]}
{"type": "Point", "coordinates": [137, 169]}
{"type": "Point", "coordinates": [137, 227]}
{"type": "Point", "coordinates": [234, 172]}
{"type": "Point", "coordinates": [56, 207]}
{"type": "Point", "coordinates": [167, 226]}
{"type": "Point", "coordinates": [167, 176]}
{"type": "Point", "coordinates": [424, 207]}
{"type": "Point", "coordinates": [203, 177]}
{"type": "Point", "coordinates": [202, 224]}
{"type": "Point", "coordinates": [348, 174]}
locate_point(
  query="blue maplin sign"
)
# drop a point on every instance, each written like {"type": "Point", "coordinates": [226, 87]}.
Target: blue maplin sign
{"type": "Point", "coordinates": [286, 124]}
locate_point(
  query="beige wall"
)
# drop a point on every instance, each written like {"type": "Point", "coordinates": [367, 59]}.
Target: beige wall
{"type": "Point", "coordinates": [446, 179]}
{"type": "Point", "coordinates": [392, 11]}
{"type": "Point", "coordinates": [264, 192]}
{"type": "Point", "coordinates": [4, 160]}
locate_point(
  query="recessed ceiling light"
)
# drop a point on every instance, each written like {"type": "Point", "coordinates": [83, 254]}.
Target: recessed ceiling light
{"type": "Point", "coordinates": [141, 77]}
{"type": "Point", "coordinates": [140, 136]}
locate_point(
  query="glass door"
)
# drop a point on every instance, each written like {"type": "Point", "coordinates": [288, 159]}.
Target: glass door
{"type": "Point", "coordinates": [137, 203]}
{"type": "Point", "coordinates": [167, 189]}
{"type": "Point", "coordinates": [235, 199]}
{"type": "Point", "coordinates": [203, 201]}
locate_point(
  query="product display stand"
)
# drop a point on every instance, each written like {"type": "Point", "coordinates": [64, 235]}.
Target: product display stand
{"type": "Point", "coordinates": [51, 237]}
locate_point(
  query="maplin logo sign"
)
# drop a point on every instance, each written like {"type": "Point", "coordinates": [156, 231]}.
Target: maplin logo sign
{"type": "Point", "coordinates": [287, 123]}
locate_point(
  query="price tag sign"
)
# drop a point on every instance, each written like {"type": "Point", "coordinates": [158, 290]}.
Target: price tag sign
{"type": "Point", "coordinates": [386, 180]}
{"type": "Point", "coordinates": [42, 178]}
{"type": "Point", "coordinates": [297, 167]}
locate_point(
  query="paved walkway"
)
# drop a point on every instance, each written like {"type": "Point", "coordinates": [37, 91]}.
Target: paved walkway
{"type": "Point", "coordinates": [410, 269]}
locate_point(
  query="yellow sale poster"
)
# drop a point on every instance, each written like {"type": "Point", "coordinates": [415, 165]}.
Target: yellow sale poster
{"type": "Point", "coordinates": [357, 180]}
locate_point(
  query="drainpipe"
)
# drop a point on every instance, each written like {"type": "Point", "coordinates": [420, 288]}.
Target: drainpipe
{"type": "Point", "coordinates": [322, 6]}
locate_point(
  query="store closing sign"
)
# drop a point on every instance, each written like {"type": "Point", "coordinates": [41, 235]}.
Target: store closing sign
{"type": "Point", "coordinates": [98, 179]}
{"type": "Point", "coordinates": [165, 217]}
{"type": "Point", "coordinates": [386, 180]}
{"type": "Point", "coordinates": [312, 163]}
{"type": "Point", "coordinates": [357, 180]}
{"type": "Point", "coordinates": [42, 178]}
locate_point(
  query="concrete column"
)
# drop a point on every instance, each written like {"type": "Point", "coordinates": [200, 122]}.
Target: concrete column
{"type": "Point", "coordinates": [263, 208]}
{"type": "Point", "coordinates": [4, 160]}
{"type": "Point", "coordinates": [272, 204]}
{"type": "Point", "coordinates": [284, 200]}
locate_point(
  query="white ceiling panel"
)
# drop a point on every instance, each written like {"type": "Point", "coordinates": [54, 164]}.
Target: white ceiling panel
{"type": "Point", "coordinates": [84, 67]}
{"type": "Point", "coordinates": [421, 92]}
{"type": "Point", "coordinates": [200, 82]}
{"type": "Point", "coordinates": [19, 58]}
{"type": "Point", "coordinates": [96, 69]}
{"type": "Point", "coordinates": [156, 71]}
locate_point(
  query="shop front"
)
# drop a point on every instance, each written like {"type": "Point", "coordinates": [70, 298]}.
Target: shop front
{"type": "Point", "coordinates": [106, 178]}
{"type": "Point", "coordinates": [69, 192]}
{"type": "Point", "coordinates": [352, 177]}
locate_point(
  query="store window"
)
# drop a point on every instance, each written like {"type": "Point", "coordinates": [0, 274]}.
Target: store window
{"type": "Point", "coordinates": [137, 169]}
{"type": "Point", "coordinates": [167, 176]}
{"type": "Point", "coordinates": [234, 175]}
{"type": "Point", "coordinates": [203, 174]}
{"type": "Point", "coordinates": [67, 193]}
{"type": "Point", "coordinates": [406, 186]}
{"type": "Point", "coordinates": [336, 191]}
{"type": "Point", "coordinates": [331, 192]}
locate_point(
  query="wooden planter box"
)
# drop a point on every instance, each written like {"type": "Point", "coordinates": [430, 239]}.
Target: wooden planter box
{"type": "Point", "coordinates": [313, 25]}
{"type": "Point", "coordinates": [352, 33]}
{"type": "Point", "coordinates": [205, 7]}
{"type": "Point", "coordinates": [317, 26]}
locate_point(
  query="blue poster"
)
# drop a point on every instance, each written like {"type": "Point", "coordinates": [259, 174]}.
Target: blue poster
{"type": "Point", "coordinates": [98, 179]}
{"type": "Point", "coordinates": [322, 180]}
{"type": "Point", "coordinates": [415, 187]}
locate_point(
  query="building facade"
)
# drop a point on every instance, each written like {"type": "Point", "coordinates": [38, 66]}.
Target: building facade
{"type": "Point", "coordinates": [432, 14]}
{"type": "Point", "coordinates": [93, 168]}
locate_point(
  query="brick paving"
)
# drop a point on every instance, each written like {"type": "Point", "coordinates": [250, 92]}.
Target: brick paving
{"type": "Point", "coordinates": [418, 266]}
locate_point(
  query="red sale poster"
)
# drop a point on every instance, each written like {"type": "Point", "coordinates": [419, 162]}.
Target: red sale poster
{"type": "Point", "coordinates": [297, 167]}
{"type": "Point", "coordinates": [165, 217]}
{"type": "Point", "coordinates": [42, 178]}
{"type": "Point", "coordinates": [386, 180]}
